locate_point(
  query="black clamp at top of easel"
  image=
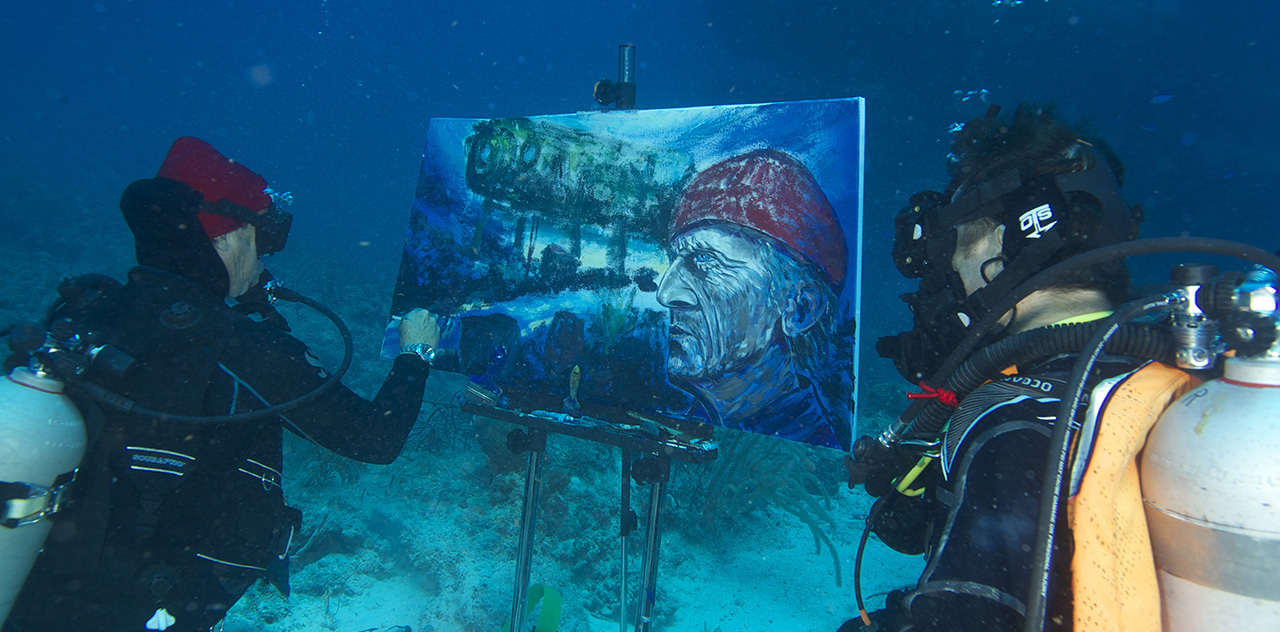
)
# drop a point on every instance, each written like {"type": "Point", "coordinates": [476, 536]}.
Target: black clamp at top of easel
{"type": "Point", "coordinates": [520, 441]}
{"type": "Point", "coordinates": [622, 93]}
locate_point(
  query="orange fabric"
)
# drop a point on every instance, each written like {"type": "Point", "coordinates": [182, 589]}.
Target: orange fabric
{"type": "Point", "coordinates": [1113, 574]}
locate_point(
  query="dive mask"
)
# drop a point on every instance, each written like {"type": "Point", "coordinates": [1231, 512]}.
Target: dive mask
{"type": "Point", "coordinates": [1039, 230]}
{"type": "Point", "coordinates": [273, 223]}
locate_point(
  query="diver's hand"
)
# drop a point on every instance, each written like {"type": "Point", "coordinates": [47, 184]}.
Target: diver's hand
{"type": "Point", "coordinates": [418, 326]}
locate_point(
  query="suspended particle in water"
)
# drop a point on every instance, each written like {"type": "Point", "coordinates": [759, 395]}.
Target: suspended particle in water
{"type": "Point", "coordinates": [260, 74]}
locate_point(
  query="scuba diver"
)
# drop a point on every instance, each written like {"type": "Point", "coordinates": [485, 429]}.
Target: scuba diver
{"type": "Point", "coordinates": [965, 487]}
{"type": "Point", "coordinates": [177, 506]}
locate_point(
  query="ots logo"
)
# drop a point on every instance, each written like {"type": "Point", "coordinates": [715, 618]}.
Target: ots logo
{"type": "Point", "coordinates": [1033, 222]}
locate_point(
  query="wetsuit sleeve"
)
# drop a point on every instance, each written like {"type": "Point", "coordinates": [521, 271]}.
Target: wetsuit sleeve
{"type": "Point", "coordinates": [979, 570]}
{"type": "Point", "coordinates": [276, 367]}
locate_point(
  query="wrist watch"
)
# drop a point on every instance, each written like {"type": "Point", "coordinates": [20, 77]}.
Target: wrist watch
{"type": "Point", "coordinates": [420, 349]}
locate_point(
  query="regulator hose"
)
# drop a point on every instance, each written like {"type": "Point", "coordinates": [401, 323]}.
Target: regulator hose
{"type": "Point", "coordinates": [1029, 346]}
{"type": "Point", "coordinates": [1053, 487]}
{"type": "Point", "coordinates": [126, 405]}
{"type": "Point", "coordinates": [1052, 491]}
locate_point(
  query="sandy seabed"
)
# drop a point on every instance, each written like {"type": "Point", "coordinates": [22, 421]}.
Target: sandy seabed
{"type": "Point", "coordinates": [429, 542]}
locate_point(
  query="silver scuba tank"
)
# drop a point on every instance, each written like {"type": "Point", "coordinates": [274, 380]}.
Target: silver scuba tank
{"type": "Point", "coordinates": [1211, 481]}
{"type": "Point", "coordinates": [42, 440]}
{"type": "Point", "coordinates": [1211, 486]}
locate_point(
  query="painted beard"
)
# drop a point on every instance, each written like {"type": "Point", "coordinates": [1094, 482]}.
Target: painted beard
{"type": "Point", "coordinates": [702, 350]}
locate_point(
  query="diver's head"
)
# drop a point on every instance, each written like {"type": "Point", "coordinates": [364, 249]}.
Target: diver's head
{"type": "Point", "coordinates": [1025, 194]}
{"type": "Point", "coordinates": [196, 199]}
{"type": "Point", "coordinates": [1039, 149]}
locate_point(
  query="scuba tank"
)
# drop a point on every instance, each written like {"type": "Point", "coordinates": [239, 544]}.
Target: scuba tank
{"type": "Point", "coordinates": [1210, 478]}
{"type": "Point", "coordinates": [42, 439]}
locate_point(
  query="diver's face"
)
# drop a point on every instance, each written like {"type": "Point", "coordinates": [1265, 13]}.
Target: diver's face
{"type": "Point", "coordinates": [977, 253]}
{"type": "Point", "coordinates": [717, 290]}
{"type": "Point", "coordinates": [239, 252]}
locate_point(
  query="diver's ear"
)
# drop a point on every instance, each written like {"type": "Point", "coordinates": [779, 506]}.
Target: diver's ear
{"type": "Point", "coordinates": [221, 243]}
{"type": "Point", "coordinates": [805, 308]}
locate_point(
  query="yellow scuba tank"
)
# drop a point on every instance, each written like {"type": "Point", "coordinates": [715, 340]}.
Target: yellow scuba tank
{"type": "Point", "coordinates": [42, 439]}
{"type": "Point", "coordinates": [1211, 485]}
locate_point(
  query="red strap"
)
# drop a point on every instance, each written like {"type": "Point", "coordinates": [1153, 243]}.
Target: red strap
{"type": "Point", "coordinates": [941, 394]}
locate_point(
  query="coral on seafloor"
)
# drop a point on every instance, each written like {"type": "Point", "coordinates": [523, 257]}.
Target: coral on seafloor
{"type": "Point", "coordinates": [755, 473]}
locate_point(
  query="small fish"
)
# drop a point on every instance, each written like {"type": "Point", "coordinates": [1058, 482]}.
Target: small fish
{"type": "Point", "coordinates": [1149, 127]}
{"type": "Point", "coordinates": [969, 95]}
{"type": "Point", "coordinates": [955, 127]}
{"type": "Point", "coordinates": [1163, 98]}
{"type": "Point", "coordinates": [1188, 139]}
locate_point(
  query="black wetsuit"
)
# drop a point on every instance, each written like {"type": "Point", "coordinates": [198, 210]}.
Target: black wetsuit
{"type": "Point", "coordinates": [983, 516]}
{"type": "Point", "coordinates": [181, 516]}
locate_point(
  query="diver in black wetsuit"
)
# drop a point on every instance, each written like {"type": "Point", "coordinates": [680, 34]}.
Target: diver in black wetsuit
{"type": "Point", "coordinates": [173, 521]}
{"type": "Point", "coordinates": [1025, 194]}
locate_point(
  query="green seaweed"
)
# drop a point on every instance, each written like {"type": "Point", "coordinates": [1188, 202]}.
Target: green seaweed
{"type": "Point", "coordinates": [616, 319]}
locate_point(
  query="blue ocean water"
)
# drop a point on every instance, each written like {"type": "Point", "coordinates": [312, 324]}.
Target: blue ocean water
{"type": "Point", "coordinates": [330, 100]}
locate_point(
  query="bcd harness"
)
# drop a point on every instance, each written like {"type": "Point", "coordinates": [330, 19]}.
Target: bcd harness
{"type": "Point", "coordinates": [1113, 576]}
{"type": "Point", "coordinates": [160, 475]}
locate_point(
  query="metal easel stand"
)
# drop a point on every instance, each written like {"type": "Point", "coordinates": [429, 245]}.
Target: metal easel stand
{"type": "Point", "coordinates": [656, 471]}
{"type": "Point", "coordinates": [535, 443]}
{"type": "Point", "coordinates": [659, 446]}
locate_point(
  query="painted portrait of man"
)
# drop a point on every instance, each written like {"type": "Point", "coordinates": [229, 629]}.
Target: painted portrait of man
{"type": "Point", "coordinates": [758, 261]}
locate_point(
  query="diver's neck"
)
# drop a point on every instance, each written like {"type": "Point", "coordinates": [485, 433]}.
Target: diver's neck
{"type": "Point", "coordinates": [1046, 307]}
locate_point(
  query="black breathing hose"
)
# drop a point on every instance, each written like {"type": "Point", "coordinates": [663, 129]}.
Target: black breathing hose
{"type": "Point", "coordinates": [119, 402]}
{"type": "Point", "coordinates": [857, 560]}
{"type": "Point", "coordinates": [1028, 346]}
{"type": "Point", "coordinates": [925, 416]}
{"type": "Point", "coordinates": [1052, 492]}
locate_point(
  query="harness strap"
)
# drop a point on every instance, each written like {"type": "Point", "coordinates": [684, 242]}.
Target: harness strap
{"type": "Point", "coordinates": [148, 517]}
{"type": "Point", "coordinates": [22, 503]}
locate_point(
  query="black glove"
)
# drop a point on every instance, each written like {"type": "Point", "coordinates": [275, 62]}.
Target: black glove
{"type": "Point", "coordinates": [891, 619]}
{"type": "Point", "coordinates": [855, 625]}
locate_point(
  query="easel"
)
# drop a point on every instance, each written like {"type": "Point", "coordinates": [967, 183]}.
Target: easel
{"type": "Point", "coordinates": [652, 435]}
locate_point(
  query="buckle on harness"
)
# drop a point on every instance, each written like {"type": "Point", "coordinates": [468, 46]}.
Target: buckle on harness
{"type": "Point", "coordinates": [27, 503]}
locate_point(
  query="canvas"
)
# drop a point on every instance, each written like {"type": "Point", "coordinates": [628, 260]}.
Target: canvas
{"type": "Point", "coordinates": [700, 263]}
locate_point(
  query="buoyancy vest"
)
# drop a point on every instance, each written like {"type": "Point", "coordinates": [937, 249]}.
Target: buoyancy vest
{"type": "Point", "coordinates": [1113, 573]}
{"type": "Point", "coordinates": [203, 491]}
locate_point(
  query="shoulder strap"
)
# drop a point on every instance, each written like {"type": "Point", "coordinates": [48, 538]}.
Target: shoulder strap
{"type": "Point", "coordinates": [987, 399]}
{"type": "Point", "coordinates": [1113, 573]}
